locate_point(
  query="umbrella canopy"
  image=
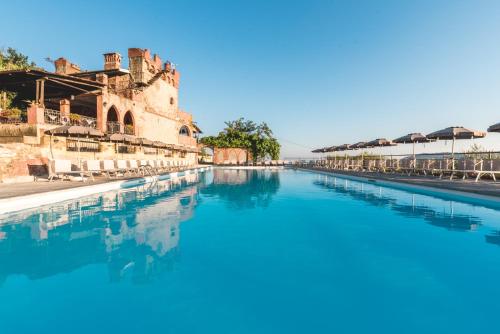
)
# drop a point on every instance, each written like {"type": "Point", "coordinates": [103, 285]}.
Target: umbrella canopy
{"type": "Point", "coordinates": [122, 138]}
{"type": "Point", "coordinates": [159, 144]}
{"type": "Point", "coordinates": [343, 147]}
{"type": "Point", "coordinates": [494, 128]}
{"type": "Point", "coordinates": [179, 148]}
{"type": "Point", "coordinates": [455, 132]}
{"type": "Point", "coordinates": [330, 149]}
{"type": "Point", "coordinates": [412, 138]}
{"type": "Point", "coordinates": [145, 142]}
{"type": "Point", "coordinates": [75, 130]}
{"type": "Point", "coordinates": [379, 142]}
{"type": "Point", "coordinates": [361, 144]}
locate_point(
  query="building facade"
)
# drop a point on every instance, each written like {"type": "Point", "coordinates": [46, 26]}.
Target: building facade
{"type": "Point", "coordinates": [140, 101]}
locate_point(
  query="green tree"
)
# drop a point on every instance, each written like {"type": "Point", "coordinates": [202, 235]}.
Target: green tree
{"type": "Point", "coordinates": [241, 133]}
{"type": "Point", "coordinates": [11, 59]}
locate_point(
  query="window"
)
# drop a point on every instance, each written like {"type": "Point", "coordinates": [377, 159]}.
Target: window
{"type": "Point", "coordinates": [172, 101]}
{"type": "Point", "coordinates": [184, 131]}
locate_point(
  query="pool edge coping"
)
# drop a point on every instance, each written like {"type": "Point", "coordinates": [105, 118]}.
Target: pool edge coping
{"type": "Point", "coordinates": [32, 201]}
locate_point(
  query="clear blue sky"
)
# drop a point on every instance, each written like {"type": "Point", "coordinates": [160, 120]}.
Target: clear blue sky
{"type": "Point", "coordinates": [319, 72]}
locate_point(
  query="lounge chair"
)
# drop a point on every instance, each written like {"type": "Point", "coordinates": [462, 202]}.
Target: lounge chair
{"type": "Point", "coordinates": [469, 167]}
{"type": "Point", "coordinates": [108, 167]}
{"type": "Point", "coordinates": [144, 167]}
{"type": "Point", "coordinates": [489, 167]}
{"type": "Point", "coordinates": [133, 167]}
{"type": "Point", "coordinates": [380, 165]}
{"type": "Point", "coordinates": [63, 168]}
{"type": "Point", "coordinates": [153, 166]}
{"type": "Point", "coordinates": [92, 166]}
{"type": "Point", "coordinates": [392, 165]}
{"type": "Point", "coordinates": [121, 167]}
{"type": "Point", "coordinates": [406, 166]}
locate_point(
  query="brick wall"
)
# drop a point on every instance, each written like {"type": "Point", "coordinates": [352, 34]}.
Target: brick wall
{"type": "Point", "coordinates": [231, 156]}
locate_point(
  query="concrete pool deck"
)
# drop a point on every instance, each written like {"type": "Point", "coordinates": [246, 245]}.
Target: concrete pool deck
{"type": "Point", "coordinates": [488, 189]}
{"type": "Point", "coordinates": [20, 196]}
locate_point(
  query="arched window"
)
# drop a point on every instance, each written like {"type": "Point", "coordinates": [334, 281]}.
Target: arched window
{"type": "Point", "coordinates": [184, 131]}
{"type": "Point", "coordinates": [112, 124]}
{"type": "Point", "coordinates": [172, 101]}
{"type": "Point", "coordinates": [128, 122]}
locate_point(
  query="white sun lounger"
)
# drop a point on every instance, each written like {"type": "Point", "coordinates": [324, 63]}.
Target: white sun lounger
{"type": "Point", "coordinates": [63, 168]}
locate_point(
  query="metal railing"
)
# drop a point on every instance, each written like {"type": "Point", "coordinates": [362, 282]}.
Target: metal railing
{"type": "Point", "coordinates": [463, 165]}
{"type": "Point", "coordinates": [52, 116]}
{"type": "Point", "coordinates": [113, 127]}
{"type": "Point", "coordinates": [83, 121]}
{"type": "Point", "coordinates": [128, 129]}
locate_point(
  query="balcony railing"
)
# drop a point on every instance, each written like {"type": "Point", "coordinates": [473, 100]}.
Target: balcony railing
{"type": "Point", "coordinates": [83, 121]}
{"type": "Point", "coordinates": [52, 116]}
{"type": "Point", "coordinates": [113, 127]}
{"type": "Point", "coordinates": [128, 129]}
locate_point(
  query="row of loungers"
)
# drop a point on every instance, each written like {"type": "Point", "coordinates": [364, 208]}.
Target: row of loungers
{"type": "Point", "coordinates": [452, 168]}
{"type": "Point", "coordinates": [259, 163]}
{"type": "Point", "coordinates": [113, 168]}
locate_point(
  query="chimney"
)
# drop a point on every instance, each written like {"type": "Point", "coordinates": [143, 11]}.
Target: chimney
{"type": "Point", "coordinates": [168, 66]}
{"type": "Point", "coordinates": [112, 61]}
{"type": "Point", "coordinates": [157, 62]}
{"type": "Point", "coordinates": [63, 66]}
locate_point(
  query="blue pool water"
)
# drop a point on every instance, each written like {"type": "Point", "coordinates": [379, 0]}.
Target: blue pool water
{"type": "Point", "coordinates": [235, 251]}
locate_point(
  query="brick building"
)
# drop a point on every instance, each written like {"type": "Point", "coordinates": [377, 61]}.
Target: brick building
{"type": "Point", "coordinates": [141, 101]}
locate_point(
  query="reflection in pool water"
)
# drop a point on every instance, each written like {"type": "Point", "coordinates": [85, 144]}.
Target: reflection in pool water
{"type": "Point", "coordinates": [235, 251]}
{"type": "Point", "coordinates": [242, 188]}
{"type": "Point", "coordinates": [134, 231]}
{"type": "Point", "coordinates": [438, 217]}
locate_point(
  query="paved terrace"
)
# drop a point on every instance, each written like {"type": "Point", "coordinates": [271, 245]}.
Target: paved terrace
{"type": "Point", "coordinates": [8, 190]}
{"type": "Point", "coordinates": [482, 187]}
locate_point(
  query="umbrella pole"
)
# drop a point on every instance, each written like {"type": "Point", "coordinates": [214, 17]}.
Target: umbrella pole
{"type": "Point", "coordinates": [453, 153]}
{"type": "Point", "coordinates": [79, 160]}
{"type": "Point", "coordinates": [51, 152]}
{"type": "Point", "coordinates": [414, 158]}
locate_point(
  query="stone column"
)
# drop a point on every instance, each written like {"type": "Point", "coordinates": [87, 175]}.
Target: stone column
{"type": "Point", "coordinates": [64, 108]}
{"type": "Point", "coordinates": [35, 114]}
{"type": "Point", "coordinates": [101, 121]}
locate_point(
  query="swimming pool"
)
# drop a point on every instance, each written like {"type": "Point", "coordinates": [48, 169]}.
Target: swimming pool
{"type": "Point", "coordinates": [239, 251]}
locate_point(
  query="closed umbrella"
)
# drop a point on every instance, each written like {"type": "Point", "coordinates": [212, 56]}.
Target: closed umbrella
{"type": "Point", "coordinates": [453, 133]}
